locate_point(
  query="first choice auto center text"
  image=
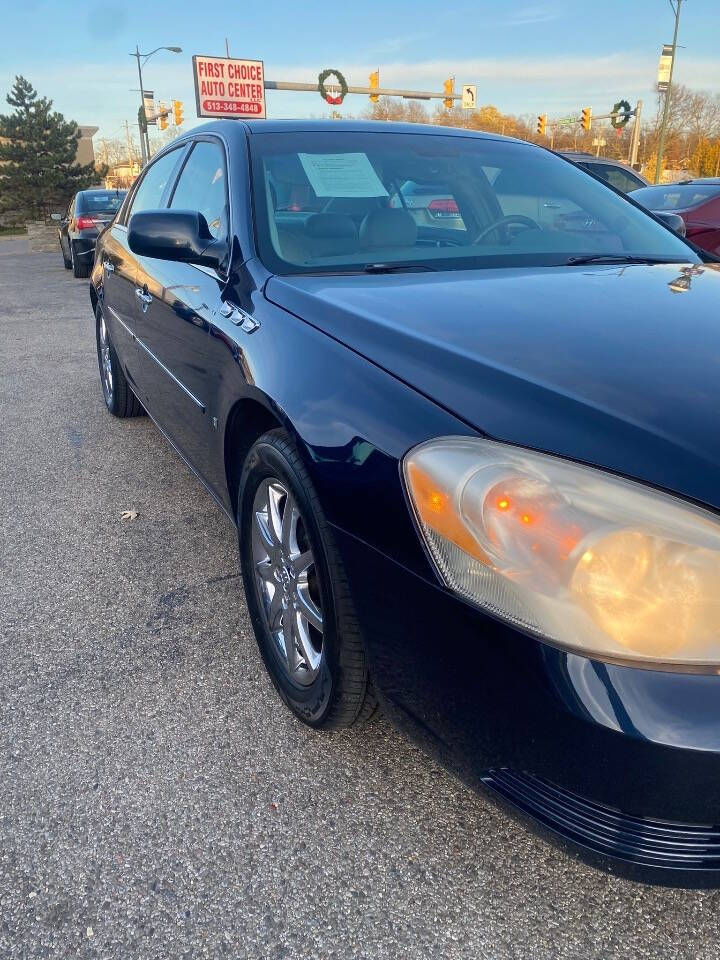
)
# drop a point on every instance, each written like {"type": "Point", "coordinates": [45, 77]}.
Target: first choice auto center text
{"type": "Point", "coordinates": [215, 81]}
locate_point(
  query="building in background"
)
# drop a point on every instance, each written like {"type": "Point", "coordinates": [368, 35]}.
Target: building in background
{"type": "Point", "coordinates": [121, 176]}
{"type": "Point", "coordinates": [85, 149]}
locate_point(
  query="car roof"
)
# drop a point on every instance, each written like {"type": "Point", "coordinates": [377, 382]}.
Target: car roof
{"type": "Point", "coordinates": [255, 127]}
{"type": "Point", "coordinates": [93, 190]}
{"type": "Point", "coordinates": [360, 126]}
{"type": "Point", "coordinates": [710, 180]}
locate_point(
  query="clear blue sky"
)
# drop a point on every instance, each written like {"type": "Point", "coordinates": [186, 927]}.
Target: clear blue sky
{"type": "Point", "coordinates": [553, 56]}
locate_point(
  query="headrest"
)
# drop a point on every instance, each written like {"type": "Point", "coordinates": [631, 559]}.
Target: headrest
{"type": "Point", "coordinates": [388, 228]}
{"type": "Point", "coordinates": [291, 248]}
{"type": "Point", "coordinates": [333, 225]}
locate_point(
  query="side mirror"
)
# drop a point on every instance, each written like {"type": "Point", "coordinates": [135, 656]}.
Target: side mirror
{"type": "Point", "coordinates": [179, 235]}
{"type": "Point", "coordinates": [674, 221]}
{"type": "Point", "coordinates": [56, 216]}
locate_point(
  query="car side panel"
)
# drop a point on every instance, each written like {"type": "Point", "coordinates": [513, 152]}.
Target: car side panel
{"type": "Point", "coordinates": [708, 240]}
{"type": "Point", "coordinates": [352, 421]}
{"type": "Point", "coordinates": [172, 332]}
{"type": "Point", "coordinates": [704, 226]}
{"type": "Point", "coordinates": [115, 273]}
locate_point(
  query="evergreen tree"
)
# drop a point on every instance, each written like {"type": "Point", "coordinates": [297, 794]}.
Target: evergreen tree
{"type": "Point", "coordinates": [38, 172]}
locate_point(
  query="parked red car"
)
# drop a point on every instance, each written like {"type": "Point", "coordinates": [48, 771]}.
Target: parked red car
{"type": "Point", "coordinates": [698, 203]}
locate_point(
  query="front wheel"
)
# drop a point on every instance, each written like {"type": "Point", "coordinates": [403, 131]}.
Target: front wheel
{"type": "Point", "coordinates": [66, 262]}
{"type": "Point", "coordinates": [119, 398]}
{"type": "Point", "coordinates": [296, 590]}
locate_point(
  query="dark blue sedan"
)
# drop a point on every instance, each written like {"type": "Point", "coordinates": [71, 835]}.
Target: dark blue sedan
{"type": "Point", "coordinates": [474, 465]}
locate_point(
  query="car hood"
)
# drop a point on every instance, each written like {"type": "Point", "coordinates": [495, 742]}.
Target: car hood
{"type": "Point", "coordinates": [613, 366]}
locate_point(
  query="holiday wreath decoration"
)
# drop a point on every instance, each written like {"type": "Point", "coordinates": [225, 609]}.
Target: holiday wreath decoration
{"type": "Point", "coordinates": [622, 107]}
{"type": "Point", "coordinates": [340, 81]}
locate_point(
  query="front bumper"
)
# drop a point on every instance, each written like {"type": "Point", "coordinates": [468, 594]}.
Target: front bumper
{"type": "Point", "coordinates": [621, 763]}
{"type": "Point", "coordinates": [662, 848]}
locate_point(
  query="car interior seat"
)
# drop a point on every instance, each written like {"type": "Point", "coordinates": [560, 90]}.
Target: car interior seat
{"type": "Point", "coordinates": [388, 227]}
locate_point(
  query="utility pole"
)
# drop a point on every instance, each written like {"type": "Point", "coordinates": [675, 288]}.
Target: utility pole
{"type": "Point", "coordinates": [666, 109]}
{"type": "Point", "coordinates": [635, 138]}
{"type": "Point", "coordinates": [131, 153]}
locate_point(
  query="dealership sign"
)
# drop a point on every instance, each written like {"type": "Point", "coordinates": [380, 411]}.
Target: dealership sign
{"type": "Point", "coordinates": [225, 87]}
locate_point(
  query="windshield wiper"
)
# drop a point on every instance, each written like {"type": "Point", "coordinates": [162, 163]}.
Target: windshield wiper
{"type": "Point", "coordinates": [396, 267]}
{"type": "Point", "coordinates": [617, 258]}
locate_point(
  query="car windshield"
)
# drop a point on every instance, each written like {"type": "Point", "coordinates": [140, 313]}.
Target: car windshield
{"type": "Point", "coordinates": [676, 196]}
{"type": "Point", "coordinates": [424, 201]}
{"type": "Point", "coordinates": [103, 202]}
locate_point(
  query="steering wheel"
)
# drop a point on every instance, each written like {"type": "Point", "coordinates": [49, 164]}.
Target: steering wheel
{"type": "Point", "coordinates": [506, 221]}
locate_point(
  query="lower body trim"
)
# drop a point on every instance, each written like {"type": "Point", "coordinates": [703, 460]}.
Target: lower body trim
{"type": "Point", "coordinates": [648, 843]}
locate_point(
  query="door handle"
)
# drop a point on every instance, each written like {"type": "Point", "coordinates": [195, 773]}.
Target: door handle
{"type": "Point", "coordinates": [552, 206]}
{"type": "Point", "coordinates": [109, 266]}
{"type": "Point", "coordinates": [144, 298]}
{"type": "Point", "coordinates": [239, 317]}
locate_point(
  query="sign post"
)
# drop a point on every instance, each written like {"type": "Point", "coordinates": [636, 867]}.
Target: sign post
{"type": "Point", "coordinates": [664, 67]}
{"type": "Point", "coordinates": [667, 88]}
{"type": "Point", "coordinates": [469, 96]}
{"type": "Point", "coordinates": [229, 88]}
{"type": "Point", "coordinates": [149, 104]}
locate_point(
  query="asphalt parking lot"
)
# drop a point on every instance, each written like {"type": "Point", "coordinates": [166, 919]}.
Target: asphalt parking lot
{"type": "Point", "coordinates": [156, 800]}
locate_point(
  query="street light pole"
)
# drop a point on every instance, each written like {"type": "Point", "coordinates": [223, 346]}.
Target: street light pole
{"type": "Point", "coordinates": [144, 148]}
{"type": "Point", "coordinates": [666, 109]}
{"type": "Point", "coordinates": [145, 143]}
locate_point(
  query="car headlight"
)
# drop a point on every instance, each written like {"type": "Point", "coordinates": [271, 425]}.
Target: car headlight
{"type": "Point", "coordinates": [590, 561]}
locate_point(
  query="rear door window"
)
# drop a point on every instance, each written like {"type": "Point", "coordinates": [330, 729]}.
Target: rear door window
{"type": "Point", "coordinates": [619, 178]}
{"type": "Point", "coordinates": [202, 186]}
{"type": "Point", "coordinates": [151, 190]}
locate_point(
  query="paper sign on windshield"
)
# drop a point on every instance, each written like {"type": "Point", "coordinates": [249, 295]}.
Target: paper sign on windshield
{"type": "Point", "coordinates": [342, 175]}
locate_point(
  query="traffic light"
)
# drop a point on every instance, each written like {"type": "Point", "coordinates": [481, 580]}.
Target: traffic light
{"type": "Point", "coordinates": [163, 117]}
{"type": "Point", "coordinates": [142, 120]}
{"type": "Point", "coordinates": [586, 119]}
{"type": "Point", "coordinates": [541, 124]}
{"type": "Point", "coordinates": [374, 85]}
{"type": "Point", "coordinates": [178, 114]}
{"type": "Point", "coordinates": [449, 87]}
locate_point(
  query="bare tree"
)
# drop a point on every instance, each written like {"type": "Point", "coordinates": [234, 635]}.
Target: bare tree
{"type": "Point", "coordinates": [692, 134]}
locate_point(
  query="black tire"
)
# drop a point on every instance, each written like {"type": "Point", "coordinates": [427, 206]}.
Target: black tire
{"type": "Point", "coordinates": [119, 398]}
{"type": "Point", "coordinates": [79, 267]}
{"type": "Point", "coordinates": [341, 694]}
{"type": "Point", "coordinates": [66, 263]}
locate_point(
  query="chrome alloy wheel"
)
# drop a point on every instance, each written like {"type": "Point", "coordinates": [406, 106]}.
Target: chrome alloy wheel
{"type": "Point", "coordinates": [287, 580]}
{"type": "Point", "coordinates": [105, 363]}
